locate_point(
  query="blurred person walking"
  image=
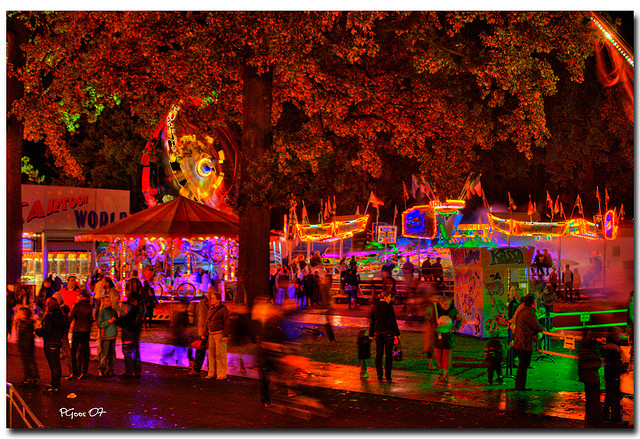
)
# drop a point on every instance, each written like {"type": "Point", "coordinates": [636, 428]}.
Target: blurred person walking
{"type": "Point", "coordinates": [446, 319]}
{"type": "Point", "coordinates": [107, 339]}
{"type": "Point", "coordinates": [131, 324]}
{"type": "Point", "coordinates": [25, 325]}
{"type": "Point", "coordinates": [66, 347]}
{"type": "Point", "coordinates": [202, 311]}
{"type": "Point", "coordinates": [54, 329]}
{"type": "Point", "coordinates": [81, 317]}
{"type": "Point", "coordinates": [384, 327]}
{"type": "Point", "coordinates": [589, 362]}
{"type": "Point", "coordinates": [219, 328]}
{"type": "Point", "coordinates": [526, 330]}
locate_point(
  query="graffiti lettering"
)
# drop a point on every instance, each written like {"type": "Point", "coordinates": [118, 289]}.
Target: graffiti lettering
{"type": "Point", "coordinates": [506, 256]}
{"type": "Point", "coordinates": [471, 256]}
{"type": "Point", "coordinates": [495, 288]}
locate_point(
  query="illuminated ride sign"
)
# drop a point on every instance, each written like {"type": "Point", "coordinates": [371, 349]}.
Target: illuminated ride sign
{"type": "Point", "coordinates": [340, 228]}
{"type": "Point", "coordinates": [387, 234]}
{"type": "Point", "coordinates": [419, 222]}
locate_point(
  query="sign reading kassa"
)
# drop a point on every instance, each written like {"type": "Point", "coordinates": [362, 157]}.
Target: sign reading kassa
{"type": "Point", "coordinates": [71, 208]}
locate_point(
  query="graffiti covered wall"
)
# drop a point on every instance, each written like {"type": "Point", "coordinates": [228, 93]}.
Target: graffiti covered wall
{"type": "Point", "coordinates": [481, 286]}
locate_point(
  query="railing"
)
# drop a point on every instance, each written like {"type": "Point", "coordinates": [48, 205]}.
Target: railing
{"type": "Point", "coordinates": [585, 316]}
{"type": "Point", "coordinates": [17, 403]}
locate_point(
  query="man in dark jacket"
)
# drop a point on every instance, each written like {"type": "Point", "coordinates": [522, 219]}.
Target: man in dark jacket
{"type": "Point", "coordinates": [81, 317]}
{"type": "Point", "coordinates": [384, 327]}
{"type": "Point", "coordinates": [54, 329]}
{"type": "Point", "coordinates": [527, 328]}
{"type": "Point", "coordinates": [131, 324]}
{"type": "Point", "coordinates": [589, 362]}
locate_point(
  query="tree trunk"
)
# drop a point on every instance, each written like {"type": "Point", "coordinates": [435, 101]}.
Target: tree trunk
{"type": "Point", "coordinates": [16, 35]}
{"type": "Point", "coordinates": [257, 138]}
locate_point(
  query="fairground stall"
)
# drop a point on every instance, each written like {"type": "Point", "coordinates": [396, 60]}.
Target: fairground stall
{"type": "Point", "coordinates": [51, 216]}
{"type": "Point", "coordinates": [178, 230]}
{"type": "Point", "coordinates": [483, 278]}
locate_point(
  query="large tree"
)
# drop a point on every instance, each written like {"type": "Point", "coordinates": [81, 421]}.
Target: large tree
{"type": "Point", "coordinates": [326, 98]}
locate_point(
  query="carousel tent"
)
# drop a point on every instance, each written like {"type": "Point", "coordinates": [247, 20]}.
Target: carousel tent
{"type": "Point", "coordinates": [179, 218]}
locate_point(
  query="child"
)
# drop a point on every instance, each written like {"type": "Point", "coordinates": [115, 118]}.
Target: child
{"type": "Point", "coordinates": [493, 357]}
{"type": "Point", "coordinates": [109, 332]}
{"type": "Point", "coordinates": [364, 351]}
{"type": "Point", "coordinates": [613, 368]}
{"type": "Point", "coordinates": [26, 345]}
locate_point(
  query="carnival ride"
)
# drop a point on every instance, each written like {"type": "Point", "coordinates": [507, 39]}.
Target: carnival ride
{"type": "Point", "coordinates": [186, 156]}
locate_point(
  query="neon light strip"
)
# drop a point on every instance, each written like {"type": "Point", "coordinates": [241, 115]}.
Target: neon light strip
{"type": "Point", "coordinates": [609, 37]}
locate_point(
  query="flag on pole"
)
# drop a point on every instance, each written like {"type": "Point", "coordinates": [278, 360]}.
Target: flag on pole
{"type": "Point", "coordinates": [530, 207]}
{"type": "Point", "coordinates": [334, 206]}
{"type": "Point", "coordinates": [512, 205]}
{"type": "Point", "coordinates": [578, 204]}
{"type": "Point", "coordinates": [556, 209]}
{"type": "Point", "coordinates": [414, 185]}
{"type": "Point", "coordinates": [606, 199]}
{"type": "Point", "coordinates": [484, 199]}
{"type": "Point", "coordinates": [327, 210]}
{"type": "Point", "coordinates": [535, 207]}
{"type": "Point", "coordinates": [329, 207]}
{"type": "Point", "coordinates": [358, 211]}
{"type": "Point", "coordinates": [395, 212]}
{"type": "Point", "coordinates": [549, 202]}
{"type": "Point", "coordinates": [375, 201]}
{"type": "Point", "coordinates": [622, 212]}
{"type": "Point", "coordinates": [467, 186]}
{"type": "Point", "coordinates": [404, 189]}
{"type": "Point", "coordinates": [477, 187]}
{"type": "Point", "coordinates": [598, 194]}
{"type": "Point", "coordinates": [305, 215]}
{"type": "Point", "coordinates": [562, 211]}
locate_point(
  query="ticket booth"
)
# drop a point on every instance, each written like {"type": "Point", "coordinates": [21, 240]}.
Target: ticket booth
{"type": "Point", "coordinates": [482, 279]}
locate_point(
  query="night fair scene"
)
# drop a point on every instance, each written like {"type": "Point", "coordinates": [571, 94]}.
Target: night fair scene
{"type": "Point", "coordinates": [305, 220]}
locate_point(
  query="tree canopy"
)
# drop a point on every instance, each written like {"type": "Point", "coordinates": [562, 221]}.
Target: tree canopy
{"type": "Point", "coordinates": [357, 97]}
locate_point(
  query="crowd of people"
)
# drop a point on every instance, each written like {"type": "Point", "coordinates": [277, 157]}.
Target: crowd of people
{"type": "Point", "coordinates": [74, 309]}
{"type": "Point", "coordinates": [63, 311]}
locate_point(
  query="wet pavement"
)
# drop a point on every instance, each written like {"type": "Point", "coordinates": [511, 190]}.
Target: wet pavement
{"type": "Point", "coordinates": [465, 387]}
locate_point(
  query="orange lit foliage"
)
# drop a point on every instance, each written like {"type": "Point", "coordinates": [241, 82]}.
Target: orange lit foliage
{"type": "Point", "coordinates": [351, 90]}
{"type": "Point", "coordinates": [435, 87]}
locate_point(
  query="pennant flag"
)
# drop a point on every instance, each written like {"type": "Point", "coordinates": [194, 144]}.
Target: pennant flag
{"type": "Point", "coordinates": [466, 188]}
{"type": "Point", "coordinates": [329, 207]}
{"type": "Point", "coordinates": [333, 206]}
{"type": "Point", "coordinates": [430, 192]}
{"type": "Point", "coordinates": [395, 212]}
{"type": "Point", "coordinates": [305, 215]}
{"type": "Point", "coordinates": [556, 209]}
{"type": "Point", "coordinates": [622, 212]}
{"type": "Point", "coordinates": [598, 194]}
{"type": "Point", "coordinates": [404, 190]}
{"type": "Point", "coordinates": [512, 205]}
{"type": "Point", "coordinates": [484, 199]}
{"type": "Point", "coordinates": [375, 201]}
{"type": "Point", "coordinates": [327, 213]}
{"type": "Point", "coordinates": [549, 202]}
{"type": "Point", "coordinates": [578, 204]}
{"type": "Point", "coordinates": [535, 207]}
{"type": "Point", "coordinates": [606, 199]}
{"type": "Point", "coordinates": [414, 185]}
{"type": "Point", "coordinates": [562, 211]}
{"type": "Point", "coordinates": [358, 211]}
{"type": "Point", "coordinates": [530, 207]}
{"type": "Point", "coordinates": [477, 187]}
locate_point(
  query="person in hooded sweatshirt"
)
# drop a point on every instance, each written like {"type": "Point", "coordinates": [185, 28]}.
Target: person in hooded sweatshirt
{"type": "Point", "coordinates": [54, 328]}
{"type": "Point", "coordinates": [81, 317]}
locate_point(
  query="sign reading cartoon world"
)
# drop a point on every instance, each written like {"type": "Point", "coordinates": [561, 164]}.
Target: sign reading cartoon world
{"type": "Point", "coordinates": [46, 208]}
